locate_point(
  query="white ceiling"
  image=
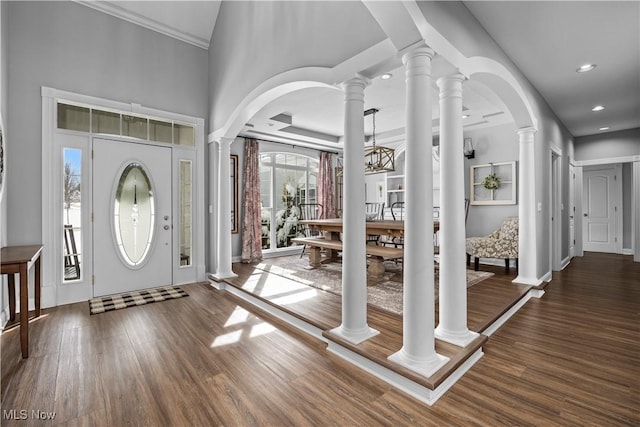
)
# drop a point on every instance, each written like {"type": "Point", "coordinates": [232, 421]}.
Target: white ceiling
{"type": "Point", "coordinates": [546, 40]}
{"type": "Point", "coordinates": [549, 40]}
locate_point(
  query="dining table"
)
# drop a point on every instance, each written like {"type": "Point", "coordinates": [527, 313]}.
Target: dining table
{"type": "Point", "coordinates": [333, 227]}
{"type": "Point", "coordinates": [384, 227]}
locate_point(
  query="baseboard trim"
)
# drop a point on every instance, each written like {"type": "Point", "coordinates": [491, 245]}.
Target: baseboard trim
{"type": "Point", "coordinates": [565, 262]}
{"type": "Point", "coordinates": [627, 251]}
{"type": "Point", "coordinates": [294, 250]}
{"type": "Point", "coordinates": [494, 261]}
{"type": "Point", "coordinates": [412, 388]}
{"type": "Point", "coordinates": [547, 277]}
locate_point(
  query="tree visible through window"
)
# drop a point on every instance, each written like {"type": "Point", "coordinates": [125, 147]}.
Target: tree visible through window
{"type": "Point", "coordinates": [286, 180]}
{"type": "Point", "coordinates": [72, 215]}
{"type": "Point", "coordinates": [71, 187]}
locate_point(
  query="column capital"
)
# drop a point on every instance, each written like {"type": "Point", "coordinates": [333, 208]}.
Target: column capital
{"type": "Point", "coordinates": [356, 81]}
{"type": "Point", "coordinates": [354, 88]}
{"type": "Point", "coordinates": [451, 85]}
{"type": "Point", "coordinates": [417, 62]}
{"type": "Point", "coordinates": [225, 141]}
{"type": "Point", "coordinates": [417, 52]}
{"type": "Point", "coordinates": [527, 132]}
{"type": "Point", "coordinates": [452, 78]}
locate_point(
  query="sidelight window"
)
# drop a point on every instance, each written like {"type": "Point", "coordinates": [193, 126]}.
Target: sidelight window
{"type": "Point", "coordinates": [72, 213]}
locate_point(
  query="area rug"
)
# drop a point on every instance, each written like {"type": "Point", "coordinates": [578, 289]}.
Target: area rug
{"type": "Point", "coordinates": [386, 294]}
{"type": "Point", "coordinates": [131, 299]}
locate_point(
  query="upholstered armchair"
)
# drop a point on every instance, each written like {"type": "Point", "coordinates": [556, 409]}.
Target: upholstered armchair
{"type": "Point", "coordinates": [502, 243]}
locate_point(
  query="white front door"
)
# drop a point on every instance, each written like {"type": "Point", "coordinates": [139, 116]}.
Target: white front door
{"type": "Point", "coordinates": [599, 210]}
{"type": "Point", "coordinates": [132, 235]}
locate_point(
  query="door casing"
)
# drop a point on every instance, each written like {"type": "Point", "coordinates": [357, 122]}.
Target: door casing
{"type": "Point", "coordinates": [611, 175]}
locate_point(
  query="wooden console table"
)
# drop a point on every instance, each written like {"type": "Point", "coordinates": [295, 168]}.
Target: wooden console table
{"type": "Point", "coordinates": [20, 259]}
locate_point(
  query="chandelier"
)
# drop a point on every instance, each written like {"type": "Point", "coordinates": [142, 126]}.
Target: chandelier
{"type": "Point", "coordinates": [377, 159]}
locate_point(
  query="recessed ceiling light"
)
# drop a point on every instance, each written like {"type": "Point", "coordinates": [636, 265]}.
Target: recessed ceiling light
{"type": "Point", "coordinates": [386, 76]}
{"type": "Point", "coordinates": [586, 67]}
{"type": "Point", "coordinates": [464, 116]}
{"type": "Point", "coordinates": [604, 128]}
{"type": "Point", "coordinates": [598, 108]}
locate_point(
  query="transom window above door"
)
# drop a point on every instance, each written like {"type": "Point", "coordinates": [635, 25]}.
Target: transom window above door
{"type": "Point", "coordinates": [87, 119]}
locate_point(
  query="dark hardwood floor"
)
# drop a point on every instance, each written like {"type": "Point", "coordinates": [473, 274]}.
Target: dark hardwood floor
{"type": "Point", "coordinates": [571, 358]}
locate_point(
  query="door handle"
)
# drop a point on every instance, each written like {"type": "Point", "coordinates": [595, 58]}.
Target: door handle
{"type": "Point", "coordinates": [584, 215]}
{"type": "Point", "coordinates": [166, 227]}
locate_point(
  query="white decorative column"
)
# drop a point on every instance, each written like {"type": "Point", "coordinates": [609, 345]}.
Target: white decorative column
{"type": "Point", "coordinates": [418, 347]}
{"type": "Point", "coordinates": [453, 272]}
{"type": "Point", "coordinates": [527, 255]}
{"type": "Point", "coordinates": [354, 326]}
{"type": "Point", "coordinates": [635, 203]}
{"type": "Point", "coordinates": [223, 268]}
{"type": "Point", "coordinates": [213, 218]}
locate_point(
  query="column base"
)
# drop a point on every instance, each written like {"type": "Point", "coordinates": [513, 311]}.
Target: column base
{"type": "Point", "coordinates": [461, 339]}
{"type": "Point", "coordinates": [527, 281]}
{"type": "Point", "coordinates": [426, 368]}
{"type": "Point", "coordinates": [220, 276]}
{"type": "Point", "coordinates": [355, 337]}
{"type": "Point", "coordinates": [219, 286]}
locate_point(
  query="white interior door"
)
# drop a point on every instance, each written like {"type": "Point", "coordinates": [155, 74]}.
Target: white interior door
{"type": "Point", "coordinates": [599, 210]}
{"type": "Point", "coordinates": [131, 216]}
{"type": "Point", "coordinates": [572, 212]}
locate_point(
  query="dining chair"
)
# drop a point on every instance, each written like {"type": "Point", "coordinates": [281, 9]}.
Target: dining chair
{"type": "Point", "coordinates": [309, 211]}
{"type": "Point", "coordinates": [374, 211]}
{"type": "Point", "coordinates": [397, 213]}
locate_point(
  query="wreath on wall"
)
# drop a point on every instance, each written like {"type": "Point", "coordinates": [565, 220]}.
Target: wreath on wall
{"type": "Point", "coordinates": [491, 182]}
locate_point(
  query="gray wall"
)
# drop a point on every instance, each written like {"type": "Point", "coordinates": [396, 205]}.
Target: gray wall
{"type": "Point", "coordinates": [492, 145]}
{"type": "Point", "coordinates": [622, 143]}
{"type": "Point", "coordinates": [71, 47]}
{"type": "Point", "coordinates": [4, 96]}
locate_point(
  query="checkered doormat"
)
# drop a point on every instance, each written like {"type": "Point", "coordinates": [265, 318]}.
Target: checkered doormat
{"type": "Point", "coordinates": [130, 299]}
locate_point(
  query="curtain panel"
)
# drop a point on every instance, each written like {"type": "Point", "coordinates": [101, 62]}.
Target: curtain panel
{"type": "Point", "coordinates": [251, 221]}
{"type": "Point", "coordinates": [326, 190]}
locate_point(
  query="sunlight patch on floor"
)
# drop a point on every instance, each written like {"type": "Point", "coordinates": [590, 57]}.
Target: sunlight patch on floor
{"type": "Point", "coordinates": [301, 295]}
{"type": "Point", "coordinates": [283, 271]}
{"type": "Point", "coordinates": [244, 324]}
{"type": "Point", "coordinates": [239, 315]}
{"type": "Point", "coordinates": [268, 285]}
{"type": "Point", "coordinates": [261, 329]}
{"type": "Point", "coordinates": [226, 339]}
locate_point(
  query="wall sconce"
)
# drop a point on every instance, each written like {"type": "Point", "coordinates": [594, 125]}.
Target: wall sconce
{"type": "Point", "coordinates": [468, 150]}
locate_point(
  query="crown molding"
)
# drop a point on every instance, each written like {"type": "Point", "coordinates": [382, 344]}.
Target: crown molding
{"type": "Point", "coordinates": [119, 12]}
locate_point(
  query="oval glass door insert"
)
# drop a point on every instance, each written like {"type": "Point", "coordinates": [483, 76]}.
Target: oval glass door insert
{"type": "Point", "coordinates": [134, 214]}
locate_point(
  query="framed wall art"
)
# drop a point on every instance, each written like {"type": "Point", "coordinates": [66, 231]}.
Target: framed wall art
{"type": "Point", "coordinates": [493, 184]}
